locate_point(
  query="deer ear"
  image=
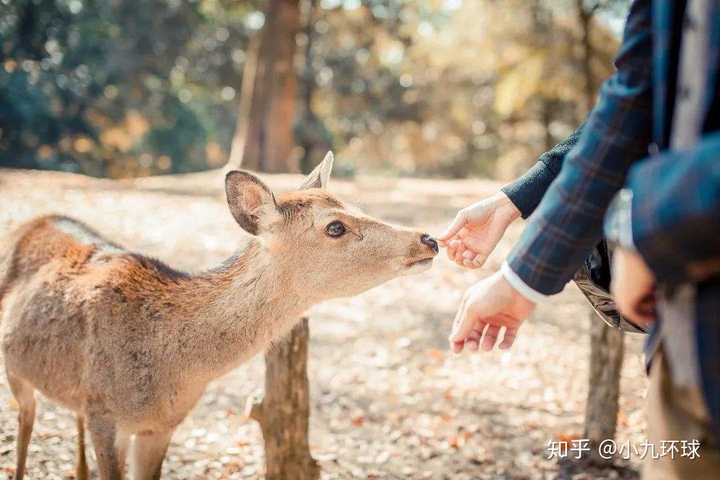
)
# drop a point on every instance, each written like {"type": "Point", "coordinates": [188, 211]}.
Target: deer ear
{"type": "Point", "coordinates": [249, 199]}
{"type": "Point", "coordinates": [320, 176]}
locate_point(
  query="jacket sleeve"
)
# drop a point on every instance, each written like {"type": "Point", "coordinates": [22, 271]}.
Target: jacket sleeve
{"type": "Point", "coordinates": [676, 212]}
{"type": "Point", "coordinates": [568, 221]}
{"type": "Point", "coordinates": [527, 191]}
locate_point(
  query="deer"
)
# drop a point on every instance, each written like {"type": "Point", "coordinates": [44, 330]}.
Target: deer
{"type": "Point", "coordinates": [130, 344]}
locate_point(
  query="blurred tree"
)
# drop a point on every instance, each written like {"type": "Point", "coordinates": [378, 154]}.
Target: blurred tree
{"type": "Point", "coordinates": [454, 88]}
{"type": "Point", "coordinates": [264, 139]}
{"type": "Point", "coordinates": [423, 87]}
{"type": "Point", "coordinates": [108, 88]}
{"type": "Point", "coordinates": [587, 13]}
{"type": "Point", "coordinates": [311, 134]}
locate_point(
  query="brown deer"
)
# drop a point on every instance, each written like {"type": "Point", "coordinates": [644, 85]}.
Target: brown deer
{"type": "Point", "coordinates": [130, 344]}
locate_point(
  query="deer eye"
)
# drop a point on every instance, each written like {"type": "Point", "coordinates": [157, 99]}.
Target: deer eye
{"type": "Point", "coordinates": [335, 229]}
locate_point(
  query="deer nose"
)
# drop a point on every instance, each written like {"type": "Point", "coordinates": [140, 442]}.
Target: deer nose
{"type": "Point", "coordinates": [426, 239]}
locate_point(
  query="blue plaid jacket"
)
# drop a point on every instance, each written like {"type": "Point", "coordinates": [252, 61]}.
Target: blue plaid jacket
{"type": "Point", "coordinates": [624, 142]}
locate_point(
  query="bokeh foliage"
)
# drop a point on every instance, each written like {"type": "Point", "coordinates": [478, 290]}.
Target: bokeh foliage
{"type": "Point", "coordinates": [117, 88]}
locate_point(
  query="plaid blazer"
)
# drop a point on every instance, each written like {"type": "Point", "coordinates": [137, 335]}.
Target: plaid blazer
{"type": "Point", "coordinates": [624, 142]}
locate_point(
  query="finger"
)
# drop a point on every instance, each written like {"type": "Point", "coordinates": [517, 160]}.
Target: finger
{"type": "Point", "coordinates": [453, 246]}
{"type": "Point", "coordinates": [463, 323]}
{"type": "Point", "coordinates": [458, 251]}
{"type": "Point", "coordinates": [456, 325]}
{"type": "Point", "coordinates": [454, 227]}
{"type": "Point", "coordinates": [643, 309]}
{"type": "Point", "coordinates": [473, 263]}
{"type": "Point", "coordinates": [475, 260]}
{"type": "Point", "coordinates": [508, 338]}
{"type": "Point", "coordinates": [451, 249]}
{"type": "Point", "coordinates": [473, 340]}
{"type": "Point", "coordinates": [457, 347]}
{"type": "Point", "coordinates": [469, 264]}
{"type": "Point", "coordinates": [646, 306]}
{"type": "Point", "coordinates": [479, 260]}
{"type": "Point", "coordinates": [490, 337]}
{"type": "Point", "coordinates": [468, 257]}
{"type": "Point", "coordinates": [633, 305]}
{"type": "Point", "coordinates": [459, 259]}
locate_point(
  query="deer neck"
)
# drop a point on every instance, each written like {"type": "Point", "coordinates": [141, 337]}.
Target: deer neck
{"type": "Point", "coordinates": [238, 309]}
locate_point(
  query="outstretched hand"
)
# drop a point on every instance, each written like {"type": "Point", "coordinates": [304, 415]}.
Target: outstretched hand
{"type": "Point", "coordinates": [477, 229]}
{"type": "Point", "coordinates": [488, 307]}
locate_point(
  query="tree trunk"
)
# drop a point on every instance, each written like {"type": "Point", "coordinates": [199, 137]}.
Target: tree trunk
{"type": "Point", "coordinates": [606, 358]}
{"type": "Point", "coordinates": [263, 138]}
{"type": "Point", "coordinates": [285, 411]}
{"type": "Point", "coordinates": [585, 17]}
{"type": "Point", "coordinates": [548, 113]}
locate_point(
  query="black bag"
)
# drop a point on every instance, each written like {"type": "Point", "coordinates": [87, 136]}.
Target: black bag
{"type": "Point", "coordinates": [593, 279]}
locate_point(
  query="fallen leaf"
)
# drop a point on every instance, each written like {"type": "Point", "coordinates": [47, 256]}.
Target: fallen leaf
{"type": "Point", "coordinates": [358, 420]}
{"type": "Point", "coordinates": [436, 354]}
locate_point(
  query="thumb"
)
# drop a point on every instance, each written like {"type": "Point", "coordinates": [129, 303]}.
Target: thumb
{"type": "Point", "coordinates": [458, 223]}
{"type": "Point", "coordinates": [463, 324]}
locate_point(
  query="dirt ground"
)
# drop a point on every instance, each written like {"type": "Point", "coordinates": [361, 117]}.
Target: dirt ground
{"type": "Point", "coordinates": [389, 400]}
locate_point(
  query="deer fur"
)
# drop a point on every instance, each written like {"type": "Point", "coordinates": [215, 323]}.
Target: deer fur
{"type": "Point", "coordinates": [130, 344]}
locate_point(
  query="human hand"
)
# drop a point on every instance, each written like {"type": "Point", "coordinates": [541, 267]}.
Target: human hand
{"type": "Point", "coordinates": [633, 286]}
{"type": "Point", "coordinates": [488, 306]}
{"type": "Point", "coordinates": [477, 229]}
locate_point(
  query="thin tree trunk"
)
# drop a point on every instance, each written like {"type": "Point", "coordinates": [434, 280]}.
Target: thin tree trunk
{"type": "Point", "coordinates": [547, 114]}
{"type": "Point", "coordinates": [242, 129]}
{"type": "Point", "coordinates": [263, 138]}
{"type": "Point", "coordinates": [585, 17]}
{"type": "Point", "coordinates": [285, 410]}
{"type": "Point", "coordinates": [606, 358]}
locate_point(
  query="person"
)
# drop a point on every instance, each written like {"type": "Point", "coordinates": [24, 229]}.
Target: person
{"type": "Point", "coordinates": [655, 130]}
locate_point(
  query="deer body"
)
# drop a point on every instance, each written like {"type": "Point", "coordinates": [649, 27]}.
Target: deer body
{"type": "Point", "coordinates": [139, 339]}
{"type": "Point", "coordinates": [130, 344]}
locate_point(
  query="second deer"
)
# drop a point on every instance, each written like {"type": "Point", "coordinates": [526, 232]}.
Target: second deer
{"type": "Point", "coordinates": [130, 344]}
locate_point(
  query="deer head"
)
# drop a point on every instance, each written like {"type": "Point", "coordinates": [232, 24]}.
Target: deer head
{"type": "Point", "coordinates": [326, 248]}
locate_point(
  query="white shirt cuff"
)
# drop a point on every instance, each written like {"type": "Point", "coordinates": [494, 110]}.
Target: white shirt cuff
{"type": "Point", "coordinates": [518, 284]}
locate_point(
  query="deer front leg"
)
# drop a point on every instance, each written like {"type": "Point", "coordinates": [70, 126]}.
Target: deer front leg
{"type": "Point", "coordinates": [148, 454]}
{"type": "Point", "coordinates": [25, 396]}
{"type": "Point", "coordinates": [81, 467]}
{"type": "Point", "coordinates": [104, 435]}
